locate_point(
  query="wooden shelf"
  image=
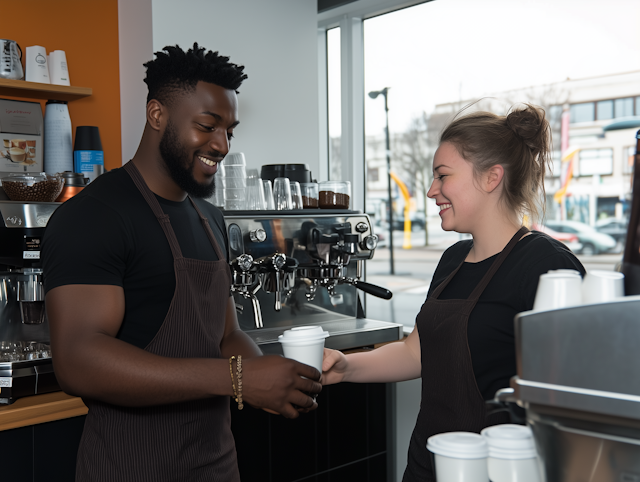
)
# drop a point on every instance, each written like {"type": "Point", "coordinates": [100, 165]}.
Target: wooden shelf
{"type": "Point", "coordinates": [39, 409]}
{"type": "Point", "coordinates": [35, 90]}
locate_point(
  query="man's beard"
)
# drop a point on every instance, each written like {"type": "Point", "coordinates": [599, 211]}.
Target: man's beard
{"type": "Point", "coordinates": [180, 165]}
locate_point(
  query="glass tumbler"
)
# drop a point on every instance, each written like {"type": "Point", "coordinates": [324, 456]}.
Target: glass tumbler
{"type": "Point", "coordinates": [309, 195]}
{"type": "Point", "coordinates": [255, 191]}
{"type": "Point", "coordinates": [282, 194]}
{"type": "Point", "coordinates": [268, 194]}
{"type": "Point", "coordinates": [296, 195]}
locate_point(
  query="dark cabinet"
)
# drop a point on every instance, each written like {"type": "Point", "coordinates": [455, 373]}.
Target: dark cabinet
{"type": "Point", "coordinates": [41, 453]}
{"type": "Point", "coordinates": [344, 439]}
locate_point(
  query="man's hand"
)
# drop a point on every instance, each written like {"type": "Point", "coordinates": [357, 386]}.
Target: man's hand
{"type": "Point", "coordinates": [276, 384]}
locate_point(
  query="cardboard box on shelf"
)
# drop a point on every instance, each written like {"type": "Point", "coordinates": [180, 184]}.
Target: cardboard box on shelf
{"type": "Point", "coordinates": [21, 140]}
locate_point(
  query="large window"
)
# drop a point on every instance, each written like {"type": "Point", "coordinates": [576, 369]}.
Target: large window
{"type": "Point", "coordinates": [334, 97]}
{"type": "Point", "coordinates": [595, 161]}
{"type": "Point", "coordinates": [585, 112]}
{"type": "Point", "coordinates": [605, 109]}
{"type": "Point", "coordinates": [624, 107]}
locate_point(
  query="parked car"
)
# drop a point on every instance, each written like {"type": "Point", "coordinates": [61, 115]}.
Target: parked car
{"type": "Point", "coordinates": [571, 240]}
{"type": "Point", "coordinates": [592, 241]}
{"type": "Point", "coordinates": [616, 228]}
{"type": "Point", "coordinates": [417, 222]}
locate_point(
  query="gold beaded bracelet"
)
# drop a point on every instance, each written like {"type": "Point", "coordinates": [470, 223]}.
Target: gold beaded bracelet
{"type": "Point", "coordinates": [237, 393]}
{"type": "Point", "coordinates": [239, 376]}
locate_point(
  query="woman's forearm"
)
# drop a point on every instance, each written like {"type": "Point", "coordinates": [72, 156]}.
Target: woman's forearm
{"type": "Point", "coordinates": [394, 362]}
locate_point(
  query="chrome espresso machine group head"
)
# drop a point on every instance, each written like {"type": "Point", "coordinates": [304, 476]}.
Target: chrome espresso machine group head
{"type": "Point", "coordinates": [304, 268]}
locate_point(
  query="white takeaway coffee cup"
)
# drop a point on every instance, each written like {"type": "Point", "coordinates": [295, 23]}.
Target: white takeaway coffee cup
{"type": "Point", "coordinates": [512, 454]}
{"type": "Point", "coordinates": [304, 344]}
{"type": "Point", "coordinates": [600, 286]}
{"type": "Point", "coordinates": [460, 457]}
{"type": "Point", "coordinates": [558, 290]}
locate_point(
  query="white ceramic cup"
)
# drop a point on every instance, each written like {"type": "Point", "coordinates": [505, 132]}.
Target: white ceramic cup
{"type": "Point", "coordinates": [558, 290]}
{"type": "Point", "coordinates": [600, 286]}
{"type": "Point", "coordinates": [304, 344]}
{"type": "Point", "coordinates": [512, 454]}
{"type": "Point", "coordinates": [460, 457]}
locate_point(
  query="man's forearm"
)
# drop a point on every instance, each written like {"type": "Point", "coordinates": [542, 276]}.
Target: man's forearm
{"type": "Point", "coordinates": [110, 370]}
{"type": "Point", "coordinates": [239, 343]}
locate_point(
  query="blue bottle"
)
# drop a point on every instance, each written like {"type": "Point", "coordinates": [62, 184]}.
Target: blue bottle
{"type": "Point", "coordinates": [88, 157]}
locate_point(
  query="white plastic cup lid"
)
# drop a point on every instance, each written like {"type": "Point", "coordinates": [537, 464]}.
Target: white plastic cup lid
{"type": "Point", "coordinates": [458, 445]}
{"type": "Point", "coordinates": [600, 273]}
{"type": "Point", "coordinates": [303, 333]}
{"type": "Point", "coordinates": [569, 272]}
{"type": "Point", "coordinates": [510, 442]}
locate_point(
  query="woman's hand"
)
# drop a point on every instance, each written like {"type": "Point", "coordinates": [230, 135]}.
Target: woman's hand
{"type": "Point", "coordinates": [334, 366]}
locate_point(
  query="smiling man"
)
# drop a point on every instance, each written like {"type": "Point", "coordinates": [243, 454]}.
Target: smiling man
{"type": "Point", "coordinates": [142, 324]}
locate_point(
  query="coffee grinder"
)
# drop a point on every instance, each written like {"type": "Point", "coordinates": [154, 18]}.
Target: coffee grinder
{"type": "Point", "coordinates": [26, 367]}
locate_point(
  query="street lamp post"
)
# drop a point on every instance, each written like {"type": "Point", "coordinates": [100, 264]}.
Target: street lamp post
{"type": "Point", "coordinates": [373, 95]}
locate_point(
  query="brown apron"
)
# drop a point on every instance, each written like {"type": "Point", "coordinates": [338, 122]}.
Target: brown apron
{"type": "Point", "coordinates": [451, 400]}
{"type": "Point", "coordinates": [190, 441]}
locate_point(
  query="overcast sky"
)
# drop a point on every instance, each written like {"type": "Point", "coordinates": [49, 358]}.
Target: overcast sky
{"type": "Point", "coordinates": [446, 50]}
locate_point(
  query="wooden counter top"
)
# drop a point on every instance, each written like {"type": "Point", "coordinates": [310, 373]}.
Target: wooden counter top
{"type": "Point", "coordinates": [40, 409]}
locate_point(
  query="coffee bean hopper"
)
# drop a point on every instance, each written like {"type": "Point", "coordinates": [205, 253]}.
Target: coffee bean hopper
{"type": "Point", "coordinates": [305, 267]}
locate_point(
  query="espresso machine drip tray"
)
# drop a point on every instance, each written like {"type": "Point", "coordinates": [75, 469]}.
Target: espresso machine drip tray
{"type": "Point", "coordinates": [343, 334]}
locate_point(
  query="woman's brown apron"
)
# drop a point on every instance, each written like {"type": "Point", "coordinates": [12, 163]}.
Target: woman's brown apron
{"type": "Point", "coordinates": [190, 441]}
{"type": "Point", "coordinates": [451, 400]}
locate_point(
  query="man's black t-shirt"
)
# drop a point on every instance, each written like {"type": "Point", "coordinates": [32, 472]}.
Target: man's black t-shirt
{"type": "Point", "coordinates": [512, 290]}
{"type": "Point", "coordinates": [108, 235]}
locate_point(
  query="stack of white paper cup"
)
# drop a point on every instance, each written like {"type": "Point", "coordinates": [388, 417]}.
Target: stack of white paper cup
{"type": "Point", "coordinates": [600, 286]}
{"type": "Point", "coordinates": [460, 457]}
{"type": "Point", "coordinates": [304, 344]}
{"type": "Point", "coordinates": [512, 454]}
{"type": "Point", "coordinates": [558, 289]}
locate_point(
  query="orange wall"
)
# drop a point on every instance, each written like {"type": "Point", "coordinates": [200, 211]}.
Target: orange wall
{"type": "Point", "coordinates": [87, 30]}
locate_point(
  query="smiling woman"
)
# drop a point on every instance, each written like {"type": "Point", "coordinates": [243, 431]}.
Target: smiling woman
{"type": "Point", "coordinates": [488, 170]}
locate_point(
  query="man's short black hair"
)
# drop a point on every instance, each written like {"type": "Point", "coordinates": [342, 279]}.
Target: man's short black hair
{"type": "Point", "coordinates": [175, 71]}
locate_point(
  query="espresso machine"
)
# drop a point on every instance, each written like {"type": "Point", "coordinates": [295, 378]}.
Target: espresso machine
{"type": "Point", "coordinates": [579, 380]}
{"type": "Point", "coordinates": [304, 267]}
{"type": "Point", "coordinates": [25, 354]}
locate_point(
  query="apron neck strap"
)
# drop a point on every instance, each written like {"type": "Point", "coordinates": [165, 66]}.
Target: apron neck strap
{"type": "Point", "coordinates": [475, 295]}
{"type": "Point", "coordinates": [492, 270]}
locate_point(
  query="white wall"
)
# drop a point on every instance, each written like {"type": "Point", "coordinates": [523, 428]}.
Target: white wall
{"type": "Point", "coordinates": [135, 36]}
{"type": "Point", "coordinates": [276, 41]}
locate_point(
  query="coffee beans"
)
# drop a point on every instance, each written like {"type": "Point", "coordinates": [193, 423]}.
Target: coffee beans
{"type": "Point", "coordinates": [333, 200]}
{"type": "Point", "coordinates": [43, 191]}
{"type": "Point", "coordinates": [309, 202]}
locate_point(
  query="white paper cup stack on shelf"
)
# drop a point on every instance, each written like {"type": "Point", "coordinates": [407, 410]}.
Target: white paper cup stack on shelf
{"type": "Point", "coordinates": [234, 181]}
{"type": "Point", "coordinates": [558, 289]}
{"type": "Point", "coordinates": [512, 454]}
{"type": "Point", "coordinates": [600, 286]}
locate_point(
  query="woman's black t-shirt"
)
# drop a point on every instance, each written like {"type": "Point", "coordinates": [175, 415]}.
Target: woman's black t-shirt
{"type": "Point", "coordinates": [512, 290]}
{"type": "Point", "coordinates": [107, 234]}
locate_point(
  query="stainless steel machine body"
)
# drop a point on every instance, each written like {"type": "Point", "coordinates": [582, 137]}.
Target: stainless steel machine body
{"type": "Point", "coordinates": [304, 268]}
{"type": "Point", "coordinates": [579, 379]}
{"type": "Point", "coordinates": [25, 355]}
